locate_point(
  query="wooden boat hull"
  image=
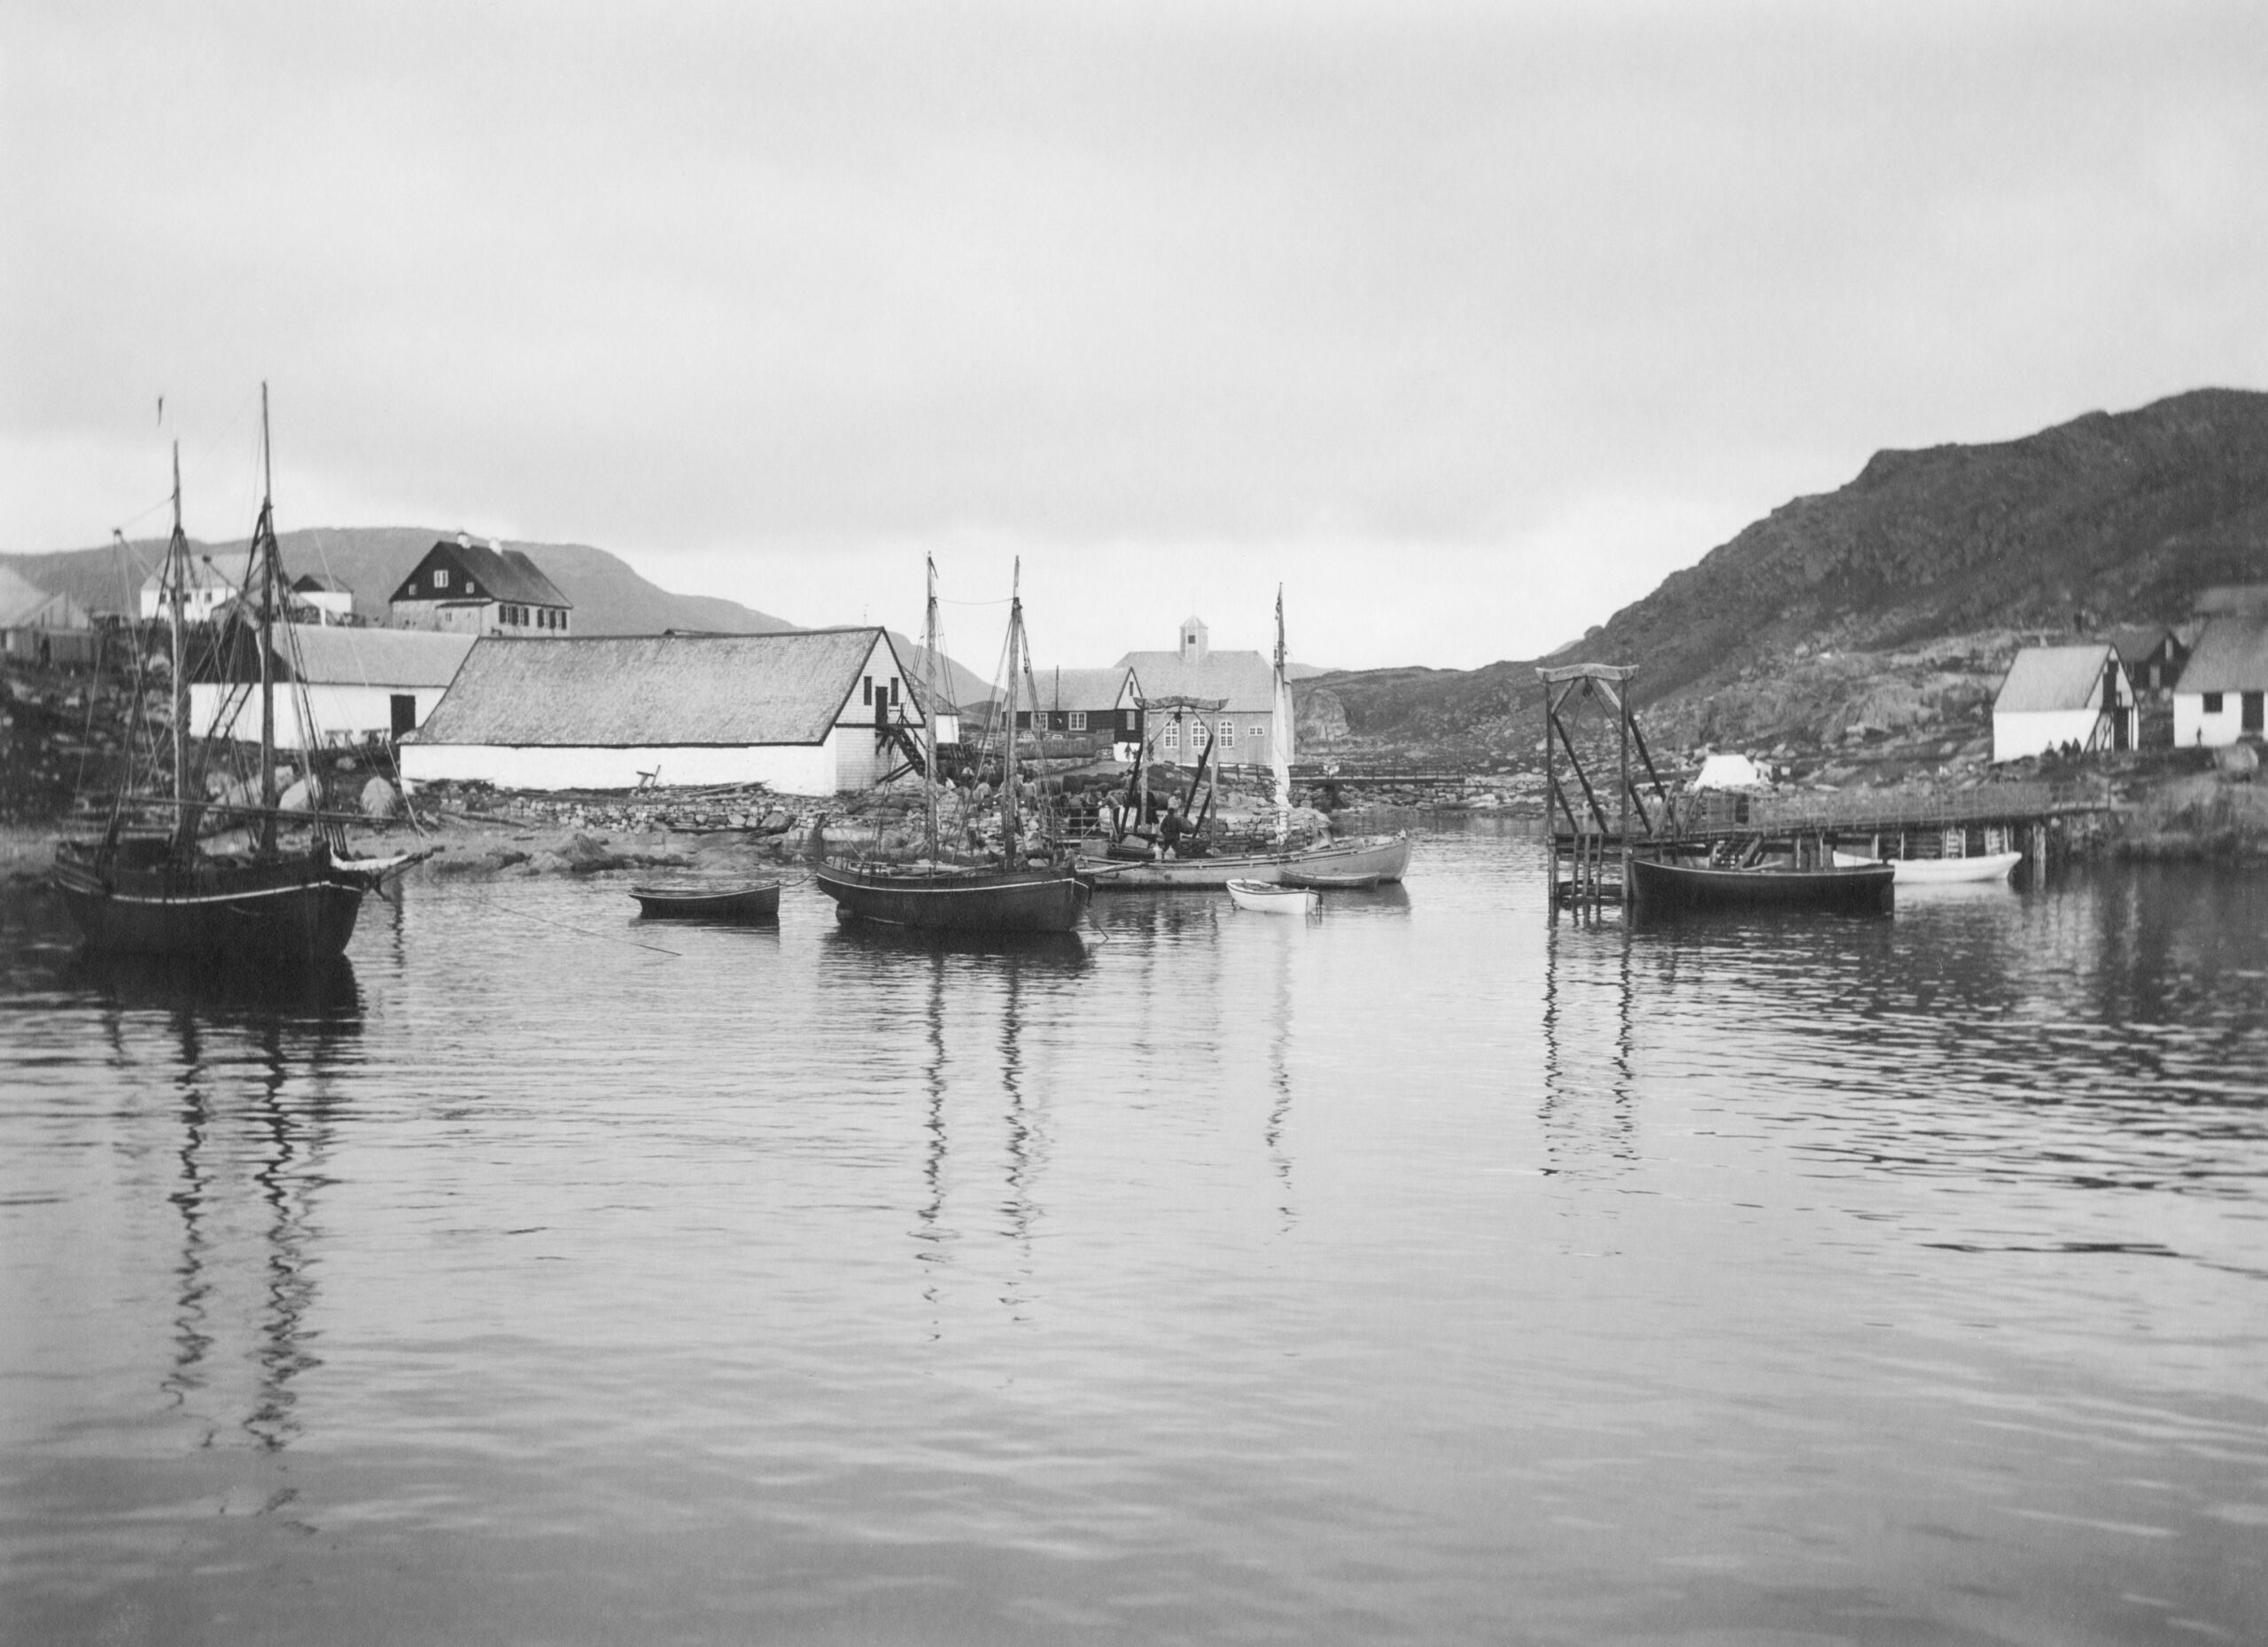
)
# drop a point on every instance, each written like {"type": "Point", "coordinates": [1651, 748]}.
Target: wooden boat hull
{"type": "Point", "coordinates": [979, 900]}
{"type": "Point", "coordinates": [279, 910]}
{"type": "Point", "coordinates": [1657, 885]}
{"type": "Point", "coordinates": [1273, 900]}
{"type": "Point", "coordinates": [1380, 858]}
{"type": "Point", "coordinates": [1941, 871]}
{"type": "Point", "coordinates": [754, 902]}
{"type": "Point", "coordinates": [1321, 881]}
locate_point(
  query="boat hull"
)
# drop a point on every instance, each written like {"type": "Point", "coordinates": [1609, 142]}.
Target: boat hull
{"type": "Point", "coordinates": [759, 902]}
{"type": "Point", "coordinates": [1379, 858]}
{"type": "Point", "coordinates": [1941, 871]}
{"type": "Point", "coordinates": [1656, 885]}
{"type": "Point", "coordinates": [983, 900]}
{"type": "Point", "coordinates": [1267, 898]}
{"type": "Point", "coordinates": [282, 911]}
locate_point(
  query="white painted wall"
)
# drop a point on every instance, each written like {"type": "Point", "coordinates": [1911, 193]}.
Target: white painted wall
{"type": "Point", "coordinates": [342, 713]}
{"type": "Point", "coordinates": [2192, 727]}
{"type": "Point", "coordinates": [2036, 732]}
{"type": "Point", "coordinates": [792, 769]}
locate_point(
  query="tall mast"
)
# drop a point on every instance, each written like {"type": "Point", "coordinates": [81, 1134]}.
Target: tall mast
{"type": "Point", "coordinates": [176, 573]}
{"type": "Point", "coordinates": [263, 550]}
{"type": "Point", "coordinates": [929, 708]}
{"type": "Point", "coordinates": [1279, 731]}
{"type": "Point", "coordinates": [1008, 819]}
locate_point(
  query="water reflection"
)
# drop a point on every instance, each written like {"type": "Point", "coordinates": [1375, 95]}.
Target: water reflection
{"type": "Point", "coordinates": [253, 1058]}
{"type": "Point", "coordinates": [1587, 1114]}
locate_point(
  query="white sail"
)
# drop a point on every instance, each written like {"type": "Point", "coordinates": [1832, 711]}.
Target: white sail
{"type": "Point", "coordinates": [1279, 731]}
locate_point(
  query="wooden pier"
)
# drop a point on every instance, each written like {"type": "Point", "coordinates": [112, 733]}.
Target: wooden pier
{"type": "Point", "coordinates": [1605, 802]}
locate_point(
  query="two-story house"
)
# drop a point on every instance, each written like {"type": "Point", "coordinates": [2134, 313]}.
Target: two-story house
{"type": "Point", "coordinates": [465, 587]}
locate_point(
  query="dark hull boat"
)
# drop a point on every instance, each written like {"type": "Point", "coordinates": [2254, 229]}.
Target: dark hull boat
{"type": "Point", "coordinates": [1658, 885]}
{"type": "Point", "coordinates": [147, 885]}
{"type": "Point", "coordinates": [281, 909]}
{"type": "Point", "coordinates": [958, 900]}
{"type": "Point", "coordinates": [758, 901]}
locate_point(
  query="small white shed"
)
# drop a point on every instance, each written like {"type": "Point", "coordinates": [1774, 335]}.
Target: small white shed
{"type": "Point", "coordinates": [2223, 693]}
{"type": "Point", "coordinates": [2056, 695]}
{"type": "Point", "coordinates": [360, 684]}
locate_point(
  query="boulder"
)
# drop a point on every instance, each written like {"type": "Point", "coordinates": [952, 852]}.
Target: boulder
{"type": "Point", "coordinates": [380, 799]}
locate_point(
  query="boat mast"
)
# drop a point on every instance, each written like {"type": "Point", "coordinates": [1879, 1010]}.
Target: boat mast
{"type": "Point", "coordinates": [264, 555]}
{"type": "Point", "coordinates": [1279, 732]}
{"type": "Point", "coordinates": [176, 573]}
{"type": "Point", "coordinates": [1008, 819]}
{"type": "Point", "coordinates": [930, 709]}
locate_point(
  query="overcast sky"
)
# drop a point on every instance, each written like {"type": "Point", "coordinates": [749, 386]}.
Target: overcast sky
{"type": "Point", "coordinates": [1465, 323]}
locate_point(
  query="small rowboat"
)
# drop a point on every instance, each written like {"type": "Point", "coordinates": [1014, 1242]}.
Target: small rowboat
{"type": "Point", "coordinates": [1274, 900]}
{"type": "Point", "coordinates": [1940, 871]}
{"type": "Point", "coordinates": [1321, 881]}
{"type": "Point", "coordinates": [747, 900]}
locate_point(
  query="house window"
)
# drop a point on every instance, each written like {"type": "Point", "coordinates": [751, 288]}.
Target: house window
{"type": "Point", "coordinates": [441, 577]}
{"type": "Point", "coordinates": [1258, 732]}
{"type": "Point", "coordinates": [2212, 703]}
{"type": "Point", "coordinates": [1078, 720]}
{"type": "Point", "coordinates": [1172, 739]}
{"type": "Point", "coordinates": [893, 691]}
{"type": "Point", "coordinates": [2255, 704]}
{"type": "Point", "coordinates": [1228, 735]}
{"type": "Point", "coordinates": [867, 692]}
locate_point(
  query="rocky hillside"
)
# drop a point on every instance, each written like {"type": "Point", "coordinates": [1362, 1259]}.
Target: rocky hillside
{"type": "Point", "coordinates": [1892, 604]}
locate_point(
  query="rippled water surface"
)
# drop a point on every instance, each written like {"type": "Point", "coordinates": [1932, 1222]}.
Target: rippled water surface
{"type": "Point", "coordinates": [1420, 1273]}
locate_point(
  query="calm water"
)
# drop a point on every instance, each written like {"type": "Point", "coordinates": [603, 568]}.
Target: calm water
{"type": "Point", "coordinates": [1418, 1273]}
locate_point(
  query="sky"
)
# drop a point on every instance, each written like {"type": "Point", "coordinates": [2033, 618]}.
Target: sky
{"type": "Point", "coordinates": [1466, 324]}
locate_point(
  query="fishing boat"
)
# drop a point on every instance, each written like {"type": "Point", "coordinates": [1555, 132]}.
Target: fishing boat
{"type": "Point", "coordinates": [744, 901]}
{"type": "Point", "coordinates": [1662, 885]}
{"type": "Point", "coordinates": [1273, 898]}
{"type": "Point", "coordinates": [1940, 871]}
{"type": "Point", "coordinates": [1026, 889]}
{"type": "Point", "coordinates": [165, 872]}
{"type": "Point", "coordinates": [1358, 861]}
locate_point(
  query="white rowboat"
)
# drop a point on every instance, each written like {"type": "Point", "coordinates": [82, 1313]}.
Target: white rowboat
{"type": "Point", "coordinates": [1274, 900]}
{"type": "Point", "coordinates": [1939, 871]}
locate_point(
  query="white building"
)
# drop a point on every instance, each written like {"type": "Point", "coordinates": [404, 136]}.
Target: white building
{"type": "Point", "coordinates": [360, 684]}
{"type": "Point", "coordinates": [2055, 696]}
{"type": "Point", "coordinates": [815, 712]}
{"type": "Point", "coordinates": [1243, 683]}
{"type": "Point", "coordinates": [2224, 687]}
{"type": "Point", "coordinates": [204, 591]}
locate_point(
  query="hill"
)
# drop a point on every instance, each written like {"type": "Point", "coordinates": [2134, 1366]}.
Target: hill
{"type": "Point", "coordinates": [610, 596]}
{"type": "Point", "coordinates": [1893, 603]}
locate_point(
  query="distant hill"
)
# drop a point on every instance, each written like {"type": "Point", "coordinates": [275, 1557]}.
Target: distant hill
{"type": "Point", "coordinates": [1937, 562]}
{"type": "Point", "coordinates": [610, 596]}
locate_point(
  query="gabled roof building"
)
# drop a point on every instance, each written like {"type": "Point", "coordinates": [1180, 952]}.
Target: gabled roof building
{"type": "Point", "coordinates": [2223, 693]}
{"type": "Point", "coordinates": [1242, 684]}
{"type": "Point", "coordinates": [1101, 706]}
{"type": "Point", "coordinates": [812, 711]}
{"type": "Point", "coordinates": [465, 587]}
{"type": "Point", "coordinates": [2054, 696]}
{"type": "Point", "coordinates": [37, 627]}
{"type": "Point", "coordinates": [360, 684]}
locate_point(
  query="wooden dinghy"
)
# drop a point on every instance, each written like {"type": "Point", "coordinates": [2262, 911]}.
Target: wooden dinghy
{"type": "Point", "coordinates": [1940, 871]}
{"type": "Point", "coordinates": [1324, 880]}
{"type": "Point", "coordinates": [1660, 885]}
{"type": "Point", "coordinates": [1274, 899]}
{"type": "Point", "coordinates": [738, 901]}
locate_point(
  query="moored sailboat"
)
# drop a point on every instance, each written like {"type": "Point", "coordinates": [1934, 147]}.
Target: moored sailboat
{"type": "Point", "coordinates": [1011, 893]}
{"type": "Point", "coordinates": [1356, 860]}
{"type": "Point", "coordinates": [153, 880]}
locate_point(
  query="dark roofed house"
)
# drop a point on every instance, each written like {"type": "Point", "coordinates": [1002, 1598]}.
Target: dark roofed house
{"type": "Point", "coordinates": [813, 712]}
{"type": "Point", "coordinates": [1242, 684]}
{"type": "Point", "coordinates": [2152, 654]}
{"type": "Point", "coordinates": [465, 587]}
{"type": "Point", "coordinates": [2222, 695]}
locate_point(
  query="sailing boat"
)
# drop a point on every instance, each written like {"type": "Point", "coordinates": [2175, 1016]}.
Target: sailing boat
{"type": "Point", "coordinates": [148, 884]}
{"type": "Point", "coordinates": [1013, 895]}
{"type": "Point", "coordinates": [1355, 861]}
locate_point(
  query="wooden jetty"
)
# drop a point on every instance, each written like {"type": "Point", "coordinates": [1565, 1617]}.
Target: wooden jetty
{"type": "Point", "coordinates": [1606, 804]}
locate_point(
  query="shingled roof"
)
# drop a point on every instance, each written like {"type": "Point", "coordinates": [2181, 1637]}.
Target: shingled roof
{"type": "Point", "coordinates": [2232, 656]}
{"type": "Point", "coordinates": [2048, 677]}
{"type": "Point", "coordinates": [496, 574]}
{"type": "Point", "coordinates": [647, 691]}
{"type": "Point", "coordinates": [1246, 680]}
{"type": "Point", "coordinates": [1079, 688]}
